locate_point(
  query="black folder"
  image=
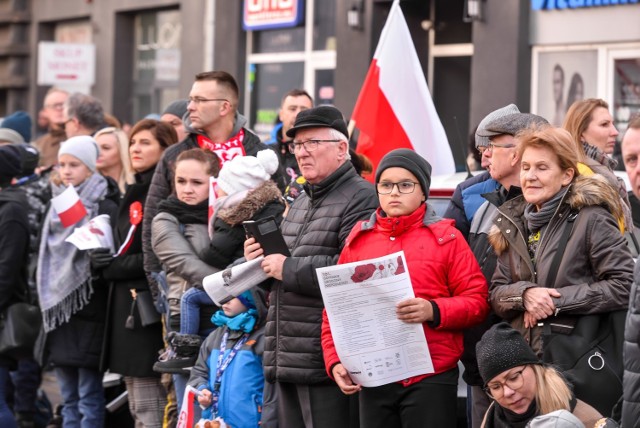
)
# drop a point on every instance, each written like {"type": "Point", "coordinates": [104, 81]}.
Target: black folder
{"type": "Point", "coordinates": [267, 234]}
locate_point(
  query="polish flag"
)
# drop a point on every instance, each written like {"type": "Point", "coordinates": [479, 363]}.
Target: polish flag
{"type": "Point", "coordinates": [186, 415]}
{"type": "Point", "coordinates": [394, 109]}
{"type": "Point", "coordinates": [69, 207]}
{"type": "Point", "coordinates": [213, 196]}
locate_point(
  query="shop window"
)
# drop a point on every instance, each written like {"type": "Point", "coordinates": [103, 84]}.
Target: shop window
{"type": "Point", "coordinates": [324, 25]}
{"type": "Point", "coordinates": [273, 41]}
{"type": "Point", "coordinates": [157, 56]}
{"type": "Point", "coordinates": [626, 91]}
{"type": "Point", "coordinates": [270, 82]}
{"type": "Point", "coordinates": [450, 27]}
{"type": "Point", "coordinates": [283, 59]}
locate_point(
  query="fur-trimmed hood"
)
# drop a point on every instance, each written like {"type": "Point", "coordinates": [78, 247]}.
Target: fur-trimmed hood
{"type": "Point", "coordinates": [255, 201]}
{"type": "Point", "coordinates": [583, 192]}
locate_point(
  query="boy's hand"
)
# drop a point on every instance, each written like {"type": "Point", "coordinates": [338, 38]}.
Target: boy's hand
{"type": "Point", "coordinates": [205, 398]}
{"type": "Point", "coordinates": [344, 381]}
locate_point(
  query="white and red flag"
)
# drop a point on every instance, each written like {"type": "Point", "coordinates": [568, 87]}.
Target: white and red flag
{"type": "Point", "coordinates": [213, 197]}
{"type": "Point", "coordinates": [394, 109]}
{"type": "Point", "coordinates": [69, 207]}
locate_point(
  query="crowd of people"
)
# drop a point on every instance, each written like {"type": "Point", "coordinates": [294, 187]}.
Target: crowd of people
{"type": "Point", "coordinates": [532, 262]}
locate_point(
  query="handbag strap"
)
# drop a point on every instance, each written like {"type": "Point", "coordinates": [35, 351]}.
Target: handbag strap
{"type": "Point", "coordinates": [564, 239]}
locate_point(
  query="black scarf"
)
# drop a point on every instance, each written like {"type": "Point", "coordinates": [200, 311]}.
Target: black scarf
{"type": "Point", "coordinates": [185, 213]}
{"type": "Point", "coordinates": [499, 417]}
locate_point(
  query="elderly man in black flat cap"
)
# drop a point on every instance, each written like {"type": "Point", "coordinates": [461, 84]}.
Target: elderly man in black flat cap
{"type": "Point", "coordinates": [315, 230]}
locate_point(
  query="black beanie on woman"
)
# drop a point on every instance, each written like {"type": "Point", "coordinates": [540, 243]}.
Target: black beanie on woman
{"type": "Point", "coordinates": [502, 348]}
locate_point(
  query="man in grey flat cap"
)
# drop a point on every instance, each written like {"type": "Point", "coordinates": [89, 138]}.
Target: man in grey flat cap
{"type": "Point", "coordinates": [501, 154]}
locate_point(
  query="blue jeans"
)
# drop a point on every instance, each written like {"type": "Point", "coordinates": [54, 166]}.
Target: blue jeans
{"type": "Point", "coordinates": [190, 304]}
{"type": "Point", "coordinates": [25, 383]}
{"type": "Point", "coordinates": [83, 397]}
{"type": "Point", "coordinates": [6, 417]}
{"type": "Point", "coordinates": [180, 385]}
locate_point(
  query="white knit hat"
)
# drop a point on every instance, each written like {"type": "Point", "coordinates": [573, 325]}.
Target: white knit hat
{"type": "Point", "coordinates": [247, 172]}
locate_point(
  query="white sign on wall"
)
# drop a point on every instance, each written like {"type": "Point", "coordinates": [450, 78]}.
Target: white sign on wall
{"type": "Point", "coordinates": [66, 63]}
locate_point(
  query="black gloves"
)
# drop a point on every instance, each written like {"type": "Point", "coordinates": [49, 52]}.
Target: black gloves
{"type": "Point", "coordinates": [100, 258]}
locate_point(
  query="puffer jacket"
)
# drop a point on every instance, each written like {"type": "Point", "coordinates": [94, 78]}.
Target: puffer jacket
{"type": "Point", "coordinates": [315, 231]}
{"type": "Point", "coordinates": [631, 351]}
{"type": "Point", "coordinates": [162, 183]}
{"type": "Point", "coordinates": [177, 246]}
{"type": "Point", "coordinates": [595, 274]}
{"type": "Point", "coordinates": [443, 271]}
{"type": "Point", "coordinates": [467, 199]}
{"type": "Point", "coordinates": [242, 382]}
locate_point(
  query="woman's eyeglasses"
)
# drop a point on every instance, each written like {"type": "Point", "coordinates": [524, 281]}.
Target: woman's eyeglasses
{"type": "Point", "coordinates": [514, 381]}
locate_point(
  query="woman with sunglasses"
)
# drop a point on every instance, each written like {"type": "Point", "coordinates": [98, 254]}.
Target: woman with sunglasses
{"type": "Point", "coordinates": [520, 385]}
{"type": "Point", "coordinates": [450, 295]}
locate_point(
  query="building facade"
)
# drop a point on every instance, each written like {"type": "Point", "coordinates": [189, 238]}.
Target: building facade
{"type": "Point", "coordinates": [477, 55]}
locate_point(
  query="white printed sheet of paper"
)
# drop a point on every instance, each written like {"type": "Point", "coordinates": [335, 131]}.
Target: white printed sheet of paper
{"type": "Point", "coordinates": [374, 346]}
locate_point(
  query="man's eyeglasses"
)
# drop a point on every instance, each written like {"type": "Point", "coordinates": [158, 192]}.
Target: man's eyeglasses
{"type": "Point", "coordinates": [404, 187]}
{"type": "Point", "coordinates": [514, 382]}
{"type": "Point", "coordinates": [198, 100]}
{"type": "Point", "coordinates": [309, 145]}
{"type": "Point", "coordinates": [56, 106]}
{"type": "Point", "coordinates": [491, 146]}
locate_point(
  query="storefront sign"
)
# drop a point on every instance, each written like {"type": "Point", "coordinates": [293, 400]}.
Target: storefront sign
{"type": "Point", "coordinates": [66, 63]}
{"type": "Point", "coordinates": [269, 14]}
{"type": "Point", "coordinates": [575, 4]}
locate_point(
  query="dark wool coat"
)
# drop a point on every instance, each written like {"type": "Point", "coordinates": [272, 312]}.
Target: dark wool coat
{"type": "Point", "coordinates": [129, 352]}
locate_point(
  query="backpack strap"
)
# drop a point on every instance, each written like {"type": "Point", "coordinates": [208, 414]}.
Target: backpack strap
{"type": "Point", "coordinates": [564, 239]}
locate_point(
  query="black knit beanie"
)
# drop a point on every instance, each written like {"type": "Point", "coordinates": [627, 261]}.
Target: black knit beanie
{"type": "Point", "coordinates": [411, 161]}
{"type": "Point", "coordinates": [10, 163]}
{"type": "Point", "coordinates": [502, 348]}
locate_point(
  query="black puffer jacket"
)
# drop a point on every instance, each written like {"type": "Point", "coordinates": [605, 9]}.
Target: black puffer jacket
{"type": "Point", "coordinates": [631, 378]}
{"type": "Point", "coordinates": [315, 231]}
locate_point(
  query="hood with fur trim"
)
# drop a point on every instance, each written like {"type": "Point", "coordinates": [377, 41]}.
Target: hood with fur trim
{"type": "Point", "coordinates": [255, 201]}
{"type": "Point", "coordinates": [584, 192]}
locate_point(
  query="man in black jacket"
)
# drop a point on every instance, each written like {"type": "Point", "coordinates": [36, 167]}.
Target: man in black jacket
{"type": "Point", "coordinates": [315, 230]}
{"type": "Point", "coordinates": [14, 246]}
{"type": "Point", "coordinates": [631, 379]}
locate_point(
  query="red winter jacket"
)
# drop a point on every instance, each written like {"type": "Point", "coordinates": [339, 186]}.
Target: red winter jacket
{"type": "Point", "coordinates": [443, 270]}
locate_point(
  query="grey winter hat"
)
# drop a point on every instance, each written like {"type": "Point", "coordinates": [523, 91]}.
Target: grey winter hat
{"type": "Point", "coordinates": [482, 141]}
{"type": "Point", "coordinates": [511, 124]}
{"type": "Point", "coordinates": [558, 419]}
{"type": "Point", "coordinates": [11, 136]}
{"type": "Point", "coordinates": [409, 160]}
{"type": "Point", "coordinates": [82, 147]}
{"type": "Point", "coordinates": [502, 348]}
{"type": "Point", "coordinates": [177, 108]}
